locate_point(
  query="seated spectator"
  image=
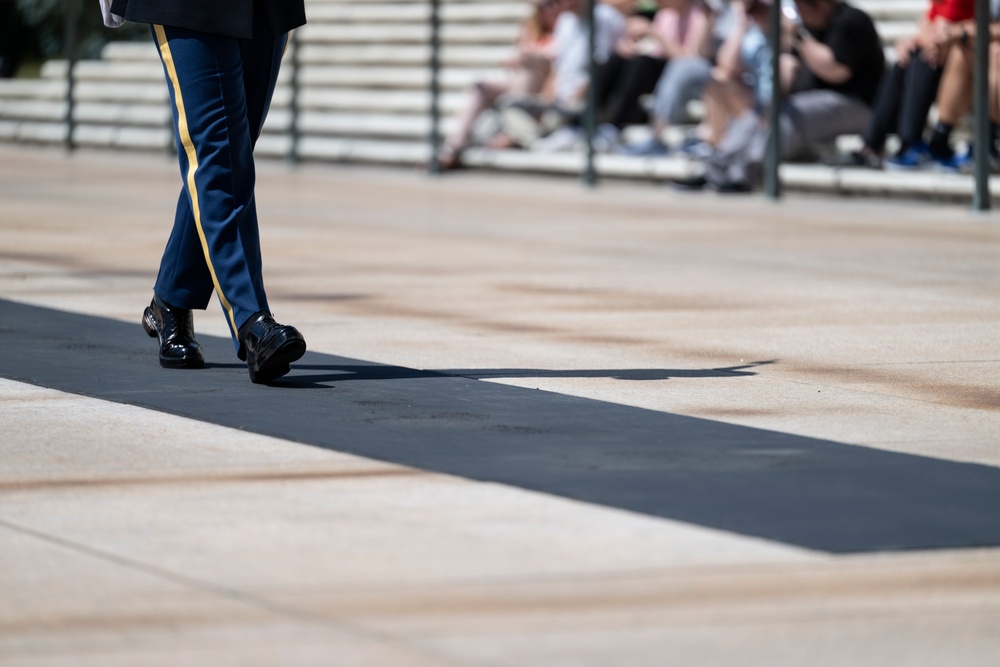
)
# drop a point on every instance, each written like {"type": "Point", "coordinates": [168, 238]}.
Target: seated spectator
{"type": "Point", "coordinates": [526, 121]}
{"type": "Point", "coordinates": [955, 93]}
{"type": "Point", "coordinates": [684, 78]}
{"type": "Point", "coordinates": [678, 29]}
{"type": "Point", "coordinates": [528, 72]}
{"type": "Point", "coordinates": [741, 81]}
{"type": "Point", "coordinates": [907, 92]}
{"type": "Point", "coordinates": [832, 65]}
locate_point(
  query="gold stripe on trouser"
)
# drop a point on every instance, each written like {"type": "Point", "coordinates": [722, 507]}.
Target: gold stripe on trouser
{"type": "Point", "coordinates": [192, 159]}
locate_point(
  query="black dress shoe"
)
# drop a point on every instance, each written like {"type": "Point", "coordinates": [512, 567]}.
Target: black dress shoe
{"type": "Point", "coordinates": [268, 347]}
{"type": "Point", "coordinates": [732, 188]}
{"type": "Point", "coordinates": [692, 184]}
{"type": "Point", "coordinates": [175, 329]}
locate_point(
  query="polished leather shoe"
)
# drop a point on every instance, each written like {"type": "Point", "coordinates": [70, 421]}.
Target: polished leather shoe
{"type": "Point", "coordinates": [268, 347]}
{"type": "Point", "coordinates": [175, 329]}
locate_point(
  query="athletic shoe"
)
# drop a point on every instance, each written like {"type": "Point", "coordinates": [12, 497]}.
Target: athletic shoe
{"type": "Point", "coordinates": [563, 140]}
{"type": "Point", "coordinates": [855, 159]}
{"type": "Point", "coordinates": [916, 157]}
{"type": "Point", "coordinates": [650, 147]}
{"type": "Point", "coordinates": [956, 163]}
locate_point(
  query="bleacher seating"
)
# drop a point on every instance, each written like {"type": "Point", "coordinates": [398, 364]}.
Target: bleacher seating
{"type": "Point", "coordinates": [364, 93]}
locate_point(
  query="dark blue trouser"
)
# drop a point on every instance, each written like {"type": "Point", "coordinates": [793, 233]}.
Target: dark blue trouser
{"type": "Point", "coordinates": [220, 91]}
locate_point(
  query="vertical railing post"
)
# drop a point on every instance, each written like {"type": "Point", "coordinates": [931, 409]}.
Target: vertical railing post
{"type": "Point", "coordinates": [590, 111]}
{"type": "Point", "coordinates": [983, 135]}
{"type": "Point", "coordinates": [72, 19]}
{"type": "Point", "coordinates": [293, 102]}
{"type": "Point", "coordinates": [772, 161]}
{"type": "Point", "coordinates": [434, 165]}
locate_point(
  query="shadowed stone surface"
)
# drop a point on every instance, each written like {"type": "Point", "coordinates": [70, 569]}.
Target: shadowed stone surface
{"type": "Point", "coordinates": [809, 492]}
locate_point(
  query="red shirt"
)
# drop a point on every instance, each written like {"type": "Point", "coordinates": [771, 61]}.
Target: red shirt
{"type": "Point", "coordinates": [951, 10]}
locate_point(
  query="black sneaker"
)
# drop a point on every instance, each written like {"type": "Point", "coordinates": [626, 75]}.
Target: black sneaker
{"type": "Point", "coordinates": [855, 159]}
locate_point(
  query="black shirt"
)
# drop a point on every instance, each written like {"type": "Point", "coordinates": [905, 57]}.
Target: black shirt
{"type": "Point", "coordinates": [855, 43]}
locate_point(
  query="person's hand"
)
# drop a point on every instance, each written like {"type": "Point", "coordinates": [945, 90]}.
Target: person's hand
{"type": "Point", "coordinates": [942, 33]}
{"type": "Point", "coordinates": [932, 54]}
{"type": "Point", "coordinates": [934, 40]}
{"type": "Point", "coordinates": [638, 27]}
{"type": "Point", "coordinates": [626, 48]}
{"type": "Point", "coordinates": [903, 48]}
{"type": "Point", "coordinates": [789, 29]}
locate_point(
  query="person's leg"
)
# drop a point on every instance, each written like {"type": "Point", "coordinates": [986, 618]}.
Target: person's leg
{"type": "Point", "coordinates": [638, 77]}
{"type": "Point", "coordinates": [724, 101]}
{"type": "Point", "coordinates": [215, 232]}
{"type": "Point", "coordinates": [885, 110]}
{"type": "Point", "coordinates": [483, 96]}
{"type": "Point", "coordinates": [682, 81]}
{"type": "Point", "coordinates": [954, 99]}
{"type": "Point", "coordinates": [920, 86]}
{"type": "Point", "coordinates": [606, 82]}
{"type": "Point", "coordinates": [816, 116]}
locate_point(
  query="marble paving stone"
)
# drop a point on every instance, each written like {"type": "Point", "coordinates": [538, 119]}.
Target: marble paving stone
{"type": "Point", "coordinates": [878, 320]}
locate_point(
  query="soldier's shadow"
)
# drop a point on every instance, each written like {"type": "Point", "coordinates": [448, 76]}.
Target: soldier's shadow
{"type": "Point", "coordinates": [327, 375]}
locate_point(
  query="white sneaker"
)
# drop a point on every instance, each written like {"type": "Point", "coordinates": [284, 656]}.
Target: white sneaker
{"type": "Point", "coordinates": [563, 140]}
{"type": "Point", "coordinates": [606, 138]}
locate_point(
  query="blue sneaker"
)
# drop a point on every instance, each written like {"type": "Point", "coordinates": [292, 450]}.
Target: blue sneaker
{"type": "Point", "coordinates": [956, 163]}
{"type": "Point", "coordinates": [917, 156]}
{"type": "Point", "coordinates": [651, 146]}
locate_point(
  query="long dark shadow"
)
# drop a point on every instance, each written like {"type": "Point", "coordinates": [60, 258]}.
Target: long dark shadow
{"type": "Point", "coordinates": [809, 492]}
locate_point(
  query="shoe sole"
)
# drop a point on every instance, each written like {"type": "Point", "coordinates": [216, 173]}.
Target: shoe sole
{"type": "Point", "coordinates": [279, 363]}
{"type": "Point", "coordinates": [149, 324]}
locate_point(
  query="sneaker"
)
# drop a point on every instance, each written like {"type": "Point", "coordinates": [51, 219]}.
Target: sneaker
{"type": "Point", "coordinates": [650, 147]}
{"type": "Point", "coordinates": [606, 138]}
{"type": "Point", "coordinates": [697, 149]}
{"type": "Point", "coordinates": [914, 158]}
{"type": "Point", "coordinates": [956, 163]}
{"type": "Point", "coordinates": [866, 160]}
{"type": "Point", "coordinates": [563, 140]}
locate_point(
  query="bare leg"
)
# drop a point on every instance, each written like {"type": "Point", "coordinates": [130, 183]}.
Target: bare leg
{"type": "Point", "coordinates": [724, 101]}
{"type": "Point", "coordinates": [954, 97]}
{"type": "Point", "coordinates": [483, 95]}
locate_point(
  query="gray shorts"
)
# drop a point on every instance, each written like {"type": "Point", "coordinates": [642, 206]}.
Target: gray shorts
{"type": "Point", "coordinates": [818, 116]}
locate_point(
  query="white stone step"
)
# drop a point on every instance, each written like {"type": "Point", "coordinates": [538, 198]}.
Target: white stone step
{"type": "Point", "coordinates": [376, 100]}
{"type": "Point", "coordinates": [393, 77]}
{"type": "Point", "coordinates": [134, 93]}
{"type": "Point", "coordinates": [33, 132]}
{"type": "Point", "coordinates": [505, 12]}
{"type": "Point", "coordinates": [156, 115]}
{"type": "Point", "coordinates": [416, 56]}
{"type": "Point", "coordinates": [117, 136]}
{"type": "Point", "coordinates": [881, 10]}
{"type": "Point", "coordinates": [363, 150]}
{"type": "Point", "coordinates": [394, 33]}
{"type": "Point", "coordinates": [32, 89]}
{"type": "Point", "coordinates": [32, 110]}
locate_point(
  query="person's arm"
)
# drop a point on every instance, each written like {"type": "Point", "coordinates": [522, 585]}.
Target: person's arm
{"type": "Point", "coordinates": [964, 33]}
{"type": "Point", "coordinates": [728, 61]}
{"type": "Point", "coordinates": [699, 29]}
{"type": "Point", "coordinates": [818, 58]}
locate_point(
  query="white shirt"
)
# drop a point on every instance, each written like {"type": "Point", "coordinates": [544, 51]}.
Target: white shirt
{"type": "Point", "coordinates": [571, 64]}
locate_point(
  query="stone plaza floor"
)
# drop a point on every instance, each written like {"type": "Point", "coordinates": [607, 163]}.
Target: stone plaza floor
{"type": "Point", "coordinates": [538, 425]}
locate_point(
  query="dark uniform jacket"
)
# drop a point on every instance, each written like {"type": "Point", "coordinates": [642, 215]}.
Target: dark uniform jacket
{"type": "Point", "coordinates": [225, 18]}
